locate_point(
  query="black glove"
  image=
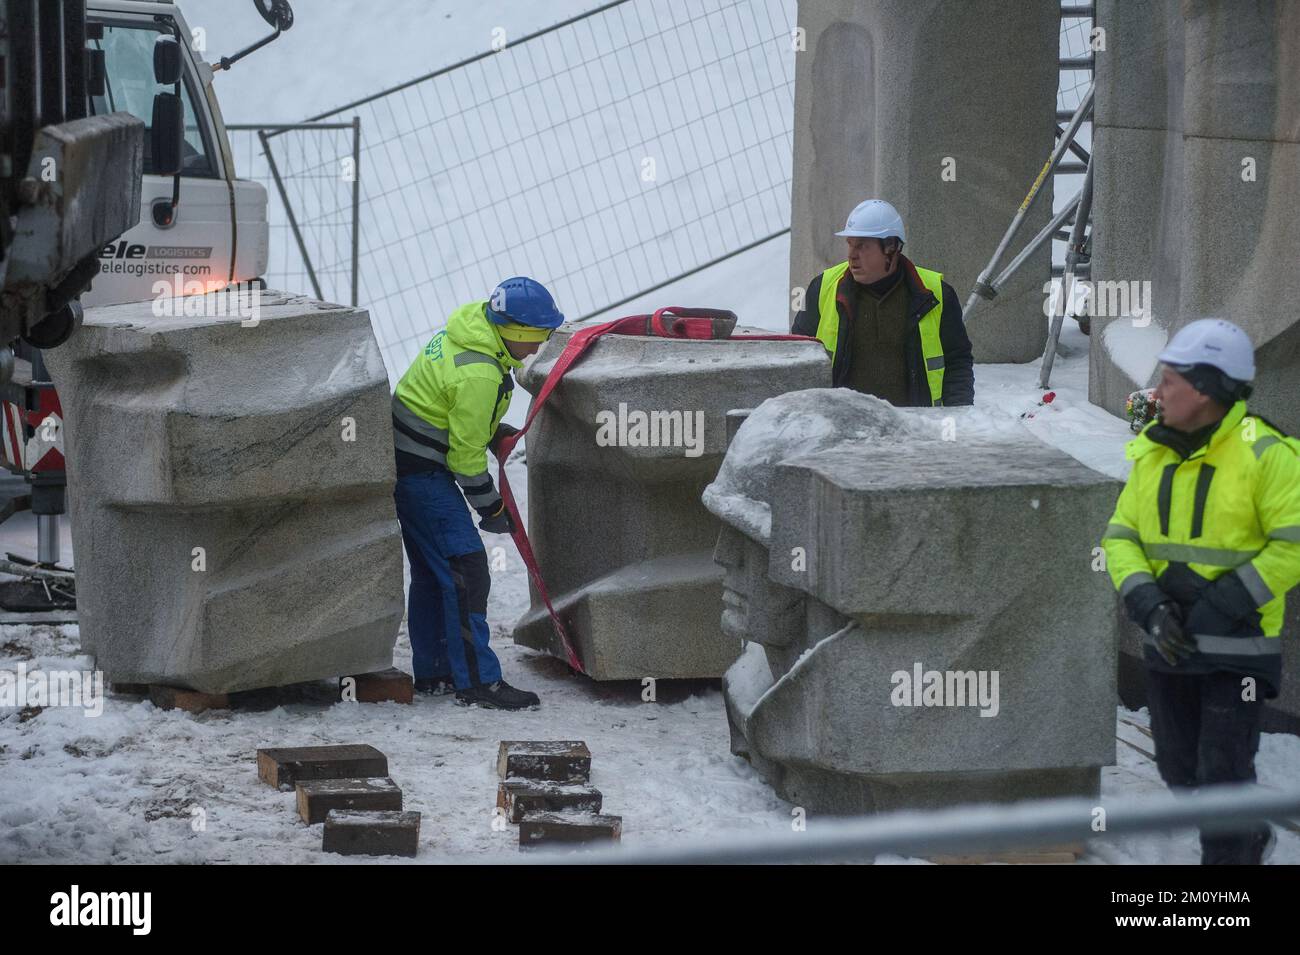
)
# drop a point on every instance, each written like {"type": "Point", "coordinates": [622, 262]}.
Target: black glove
{"type": "Point", "coordinates": [1142, 600]}
{"type": "Point", "coordinates": [1165, 625]}
{"type": "Point", "coordinates": [498, 523]}
{"type": "Point", "coordinates": [503, 431]}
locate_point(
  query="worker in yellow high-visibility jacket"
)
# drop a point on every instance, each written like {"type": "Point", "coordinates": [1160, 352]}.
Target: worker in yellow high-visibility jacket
{"type": "Point", "coordinates": [447, 413]}
{"type": "Point", "coordinates": [1203, 546]}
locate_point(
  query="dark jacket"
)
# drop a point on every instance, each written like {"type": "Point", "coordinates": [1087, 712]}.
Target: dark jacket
{"type": "Point", "coordinates": [959, 366]}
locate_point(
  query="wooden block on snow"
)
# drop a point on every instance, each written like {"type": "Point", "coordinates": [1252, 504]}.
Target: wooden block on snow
{"type": "Point", "coordinates": [192, 701]}
{"type": "Point", "coordinates": [561, 761]}
{"type": "Point", "coordinates": [520, 796]}
{"type": "Point", "coordinates": [538, 829]}
{"type": "Point", "coordinates": [352, 832]}
{"type": "Point", "coordinates": [1042, 855]}
{"type": "Point", "coordinates": [283, 766]}
{"type": "Point", "coordinates": [382, 686]}
{"type": "Point", "coordinates": [316, 797]}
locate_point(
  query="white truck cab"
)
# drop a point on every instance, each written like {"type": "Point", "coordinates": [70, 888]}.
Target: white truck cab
{"type": "Point", "coordinates": [200, 227]}
{"type": "Point", "coordinates": [217, 233]}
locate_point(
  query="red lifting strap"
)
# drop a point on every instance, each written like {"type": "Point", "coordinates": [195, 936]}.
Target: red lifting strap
{"type": "Point", "coordinates": [671, 322]}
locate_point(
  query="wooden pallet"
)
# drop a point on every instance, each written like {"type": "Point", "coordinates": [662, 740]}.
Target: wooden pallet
{"type": "Point", "coordinates": [1046, 855]}
{"type": "Point", "coordinates": [384, 686]}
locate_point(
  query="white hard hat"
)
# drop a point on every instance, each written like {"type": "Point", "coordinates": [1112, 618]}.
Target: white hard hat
{"type": "Point", "coordinates": [1215, 342]}
{"type": "Point", "coordinates": [874, 219]}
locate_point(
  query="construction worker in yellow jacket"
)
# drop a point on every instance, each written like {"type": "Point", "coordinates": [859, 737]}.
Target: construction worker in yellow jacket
{"type": "Point", "coordinates": [447, 413]}
{"type": "Point", "coordinates": [1203, 546]}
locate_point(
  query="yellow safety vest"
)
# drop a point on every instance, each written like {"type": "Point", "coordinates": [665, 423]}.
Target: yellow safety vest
{"type": "Point", "coordinates": [828, 323]}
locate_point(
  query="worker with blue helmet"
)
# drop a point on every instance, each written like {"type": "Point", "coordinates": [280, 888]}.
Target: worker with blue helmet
{"type": "Point", "coordinates": [447, 413]}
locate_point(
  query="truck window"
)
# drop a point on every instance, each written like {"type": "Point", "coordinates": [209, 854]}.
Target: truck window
{"type": "Point", "coordinates": [130, 86]}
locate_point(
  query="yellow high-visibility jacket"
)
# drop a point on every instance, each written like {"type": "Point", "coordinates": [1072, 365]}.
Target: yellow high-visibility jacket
{"type": "Point", "coordinates": [1218, 533]}
{"type": "Point", "coordinates": [448, 404]}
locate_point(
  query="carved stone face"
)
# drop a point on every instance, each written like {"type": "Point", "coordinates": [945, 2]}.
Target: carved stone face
{"type": "Point", "coordinates": [755, 608]}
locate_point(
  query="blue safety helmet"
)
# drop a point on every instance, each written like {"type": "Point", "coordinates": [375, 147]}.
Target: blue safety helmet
{"type": "Point", "coordinates": [523, 301]}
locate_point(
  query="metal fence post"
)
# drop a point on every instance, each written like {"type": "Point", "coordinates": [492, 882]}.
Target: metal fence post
{"type": "Point", "coordinates": [288, 211]}
{"type": "Point", "coordinates": [356, 207]}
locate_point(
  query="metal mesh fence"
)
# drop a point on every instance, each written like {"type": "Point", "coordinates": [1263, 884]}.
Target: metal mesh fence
{"type": "Point", "coordinates": [317, 166]}
{"type": "Point", "coordinates": [1075, 39]}
{"type": "Point", "coordinates": [604, 156]}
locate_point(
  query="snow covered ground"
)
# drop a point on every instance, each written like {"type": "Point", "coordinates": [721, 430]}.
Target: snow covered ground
{"type": "Point", "coordinates": [123, 787]}
{"type": "Point", "coordinates": [131, 784]}
{"type": "Point", "coordinates": [128, 785]}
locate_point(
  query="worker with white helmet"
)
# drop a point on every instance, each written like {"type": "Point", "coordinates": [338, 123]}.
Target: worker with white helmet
{"type": "Point", "coordinates": [893, 330]}
{"type": "Point", "coordinates": [1203, 546]}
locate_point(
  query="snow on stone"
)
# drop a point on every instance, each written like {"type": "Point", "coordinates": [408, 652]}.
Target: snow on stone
{"type": "Point", "coordinates": [749, 678]}
{"type": "Point", "coordinates": [797, 667]}
{"type": "Point", "coordinates": [790, 426]}
{"type": "Point", "coordinates": [141, 785]}
{"type": "Point", "coordinates": [1134, 348]}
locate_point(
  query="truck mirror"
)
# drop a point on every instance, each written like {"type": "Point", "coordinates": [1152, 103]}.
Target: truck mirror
{"type": "Point", "coordinates": [167, 61]}
{"type": "Point", "coordinates": [278, 13]}
{"type": "Point", "coordinates": [167, 135]}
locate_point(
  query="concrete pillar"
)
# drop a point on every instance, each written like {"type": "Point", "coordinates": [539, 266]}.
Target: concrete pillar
{"type": "Point", "coordinates": [1242, 107]}
{"type": "Point", "coordinates": [1198, 152]}
{"type": "Point", "coordinates": [1138, 229]}
{"type": "Point", "coordinates": [884, 93]}
{"type": "Point", "coordinates": [231, 493]}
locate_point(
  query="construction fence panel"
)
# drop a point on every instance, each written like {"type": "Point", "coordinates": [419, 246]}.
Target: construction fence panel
{"type": "Point", "coordinates": [604, 156]}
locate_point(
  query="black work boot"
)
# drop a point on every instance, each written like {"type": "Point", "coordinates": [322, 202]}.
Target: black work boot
{"type": "Point", "coordinates": [435, 686]}
{"type": "Point", "coordinates": [497, 696]}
